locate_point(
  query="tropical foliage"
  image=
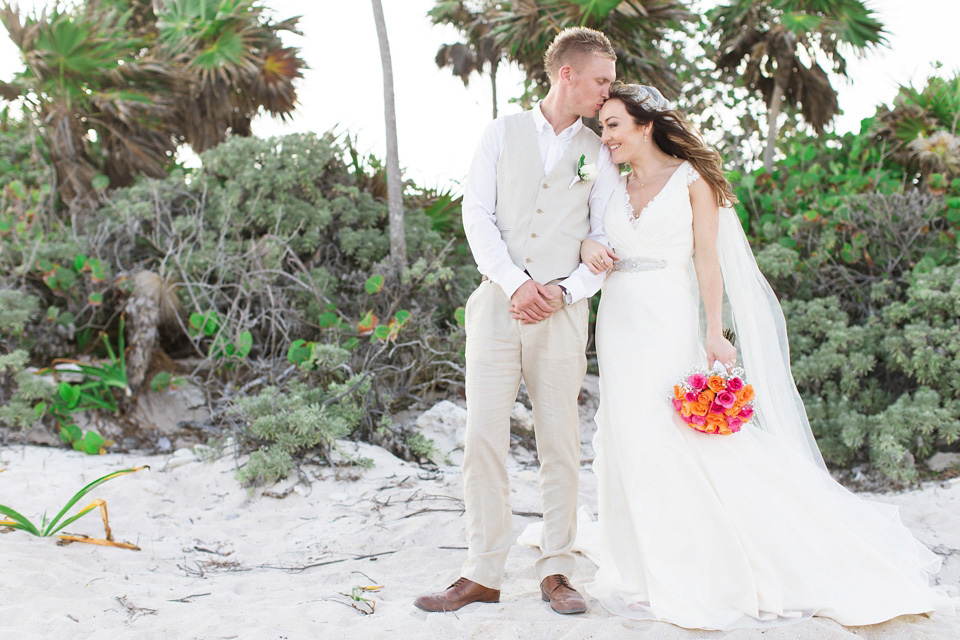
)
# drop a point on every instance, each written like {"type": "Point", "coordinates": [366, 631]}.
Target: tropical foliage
{"type": "Point", "coordinates": [865, 260]}
{"type": "Point", "coordinates": [775, 47]}
{"type": "Point", "coordinates": [920, 130]}
{"type": "Point", "coordinates": [276, 257]}
{"type": "Point", "coordinates": [480, 51]}
{"type": "Point", "coordinates": [120, 84]}
{"type": "Point", "coordinates": [638, 29]}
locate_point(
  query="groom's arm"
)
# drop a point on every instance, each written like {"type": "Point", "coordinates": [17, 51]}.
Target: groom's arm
{"type": "Point", "coordinates": [479, 214]}
{"type": "Point", "coordinates": [583, 283]}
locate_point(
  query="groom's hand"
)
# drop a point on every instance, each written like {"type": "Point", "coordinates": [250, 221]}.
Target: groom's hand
{"type": "Point", "coordinates": [533, 302]}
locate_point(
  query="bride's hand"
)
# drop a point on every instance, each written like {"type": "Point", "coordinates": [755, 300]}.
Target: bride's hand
{"type": "Point", "coordinates": [719, 348]}
{"type": "Point", "coordinates": [597, 257]}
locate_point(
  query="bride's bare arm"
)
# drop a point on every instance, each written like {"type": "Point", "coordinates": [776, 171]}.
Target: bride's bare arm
{"type": "Point", "coordinates": [706, 216]}
{"type": "Point", "coordinates": [598, 257]}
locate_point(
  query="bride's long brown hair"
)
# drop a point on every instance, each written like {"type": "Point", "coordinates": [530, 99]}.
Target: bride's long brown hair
{"type": "Point", "coordinates": [677, 136]}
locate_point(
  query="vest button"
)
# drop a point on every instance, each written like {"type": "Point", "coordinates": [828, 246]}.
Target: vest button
{"type": "Point", "coordinates": [533, 235]}
{"type": "Point", "coordinates": [545, 186]}
{"type": "Point", "coordinates": [528, 260]}
{"type": "Point", "coordinates": [539, 210]}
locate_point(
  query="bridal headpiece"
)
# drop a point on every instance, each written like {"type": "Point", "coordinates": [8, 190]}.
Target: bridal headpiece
{"type": "Point", "coordinates": [648, 97]}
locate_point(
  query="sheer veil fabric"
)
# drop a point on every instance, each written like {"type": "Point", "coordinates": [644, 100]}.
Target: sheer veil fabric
{"type": "Point", "coordinates": [722, 532]}
{"type": "Point", "coordinates": [762, 338]}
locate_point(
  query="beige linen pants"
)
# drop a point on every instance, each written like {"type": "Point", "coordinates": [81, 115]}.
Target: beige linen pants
{"type": "Point", "coordinates": [550, 357]}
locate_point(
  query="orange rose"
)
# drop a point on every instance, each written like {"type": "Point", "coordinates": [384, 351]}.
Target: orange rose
{"type": "Point", "coordinates": [716, 421]}
{"type": "Point", "coordinates": [686, 409]}
{"type": "Point", "coordinates": [716, 384]}
{"type": "Point", "coordinates": [678, 392]}
{"type": "Point", "coordinates": [706, 396]}
{"type": "Point", "coordinates": [734, 410]}
{"type": "Point", "coordinates": [745, 395]}
{"type": "Point", "coordinates": [724, 431]}
{"type": "Point", "coordinates": [700, 408]}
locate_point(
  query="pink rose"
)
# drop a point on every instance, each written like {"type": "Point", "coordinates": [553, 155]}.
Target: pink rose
{"type": "Point", "coordinates": [746, 413]}
{"type": "Point", "coordinates": [734, 384]}
{"type": "Point", "coordinates": [725, 399]}
{"type": "Point", "coordinates": [698, 381]}
{"type": "Point", "coordinates": [700, 420]}
{"type": "Point", "coordinates": [734, 423]}
{"type": "Point", "coordinates": [677, 404]}
{"type": "Point", "coordinates": [691, 396]}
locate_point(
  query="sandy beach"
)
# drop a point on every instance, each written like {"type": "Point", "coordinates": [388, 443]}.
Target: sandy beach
{"type": "Point", "coordinates": [219, 561]}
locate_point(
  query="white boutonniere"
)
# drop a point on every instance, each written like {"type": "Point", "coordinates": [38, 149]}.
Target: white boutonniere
{"type": "Point", "coordinates": [585, 172]}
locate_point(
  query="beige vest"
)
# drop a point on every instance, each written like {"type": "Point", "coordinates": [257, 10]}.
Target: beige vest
{"type": "Point", "coordinates": [541, 220]}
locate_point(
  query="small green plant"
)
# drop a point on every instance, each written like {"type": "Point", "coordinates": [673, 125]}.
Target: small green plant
{"type": "Point", "coordinates": [47, 529]}
{"type": "Point", "coordinates": [210, 325]}
{"type": "Point", "coordinates": [166, 380]}
{"type": "Point", "coordinates": [94, 392]}
{"type": "Point", "coordinates": [61, 278]}
{"type": "Point", "coordinates": [303, 418]}
{"type": "Point", "coordinates": [420, 445]}
{"type": "Point", "coordinates": [311, 356]}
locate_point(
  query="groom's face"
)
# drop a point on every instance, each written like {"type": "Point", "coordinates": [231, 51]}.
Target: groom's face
{"type": "Point", "coordinates": [590, 80]}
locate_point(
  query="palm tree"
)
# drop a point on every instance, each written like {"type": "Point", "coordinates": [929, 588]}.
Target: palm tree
{"type": "Point", "coordinates": [479, 51]}
{"type": "Point", "coordinates": [106, 109]}
{"type": "Point", "coordinates": [636, 28]}
{"type": "Point", "coordinates": [398, 243]}
{"type": "Point", "coordinates": [234, 64]}
{"type": "Point", "coordinates": [775, 46]}
{"type": "Point", "coordinates": [119, 86]}
{"type": "Point", "coordinates": [920, 129]}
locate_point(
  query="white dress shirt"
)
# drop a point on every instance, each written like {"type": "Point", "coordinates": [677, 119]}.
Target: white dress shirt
{"type": "Point", "coordinates": [480, 203]}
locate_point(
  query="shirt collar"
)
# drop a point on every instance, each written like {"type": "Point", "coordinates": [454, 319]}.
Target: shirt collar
{"type": "Point", "coordinates": [542, 125]}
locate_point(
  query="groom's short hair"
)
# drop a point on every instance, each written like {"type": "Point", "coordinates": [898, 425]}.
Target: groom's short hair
{"type": "Point", "coordinates": [571, 45]}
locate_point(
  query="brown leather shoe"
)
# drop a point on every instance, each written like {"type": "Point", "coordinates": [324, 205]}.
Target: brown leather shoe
{"type": "Point", "coordinates": [460, 593]}
{"type": "Point", "coordinates": [562, 597]}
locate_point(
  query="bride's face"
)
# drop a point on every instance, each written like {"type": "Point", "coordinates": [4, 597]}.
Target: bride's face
{"type": "Point", "coordinates": [620, 132]}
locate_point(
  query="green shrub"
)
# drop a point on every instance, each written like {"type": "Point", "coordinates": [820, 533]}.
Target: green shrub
{"type": "Point", "coordinates": [302, 420]}
{"type": "Point", "coordinates": [885, 390]}
{"type": "Point", "coordinates": [266, 466]}
{"type": "Point", "coordinates": [20, 391]}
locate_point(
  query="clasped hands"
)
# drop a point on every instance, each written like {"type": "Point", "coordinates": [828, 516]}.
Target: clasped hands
{"type": "Point", "coordinates": [533, 302]}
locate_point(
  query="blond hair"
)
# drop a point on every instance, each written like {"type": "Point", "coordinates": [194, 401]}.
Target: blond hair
{"type": "Point", "coordinates": [573, 44]}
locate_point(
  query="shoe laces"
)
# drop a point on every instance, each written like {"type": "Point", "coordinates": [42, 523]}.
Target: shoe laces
{"type": "Point", "coordinates": [562, 582]}
{"type": "Point", "coordinates": [459, 582]}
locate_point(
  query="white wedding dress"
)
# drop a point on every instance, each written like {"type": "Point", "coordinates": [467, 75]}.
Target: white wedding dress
{"type": "Point", "coordinates": [706, 531]}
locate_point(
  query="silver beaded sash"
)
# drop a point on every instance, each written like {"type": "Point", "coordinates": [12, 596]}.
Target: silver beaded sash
{"type": "Point", "coordinates": [639, 263]}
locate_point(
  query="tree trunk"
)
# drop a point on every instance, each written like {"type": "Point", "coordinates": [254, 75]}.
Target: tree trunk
{"type": "Point", "coordinates": [772, 114]}
{"type": "Point", "coordinates": [493, 82]}
{"type": "Point", "coordinates": [398, 243]}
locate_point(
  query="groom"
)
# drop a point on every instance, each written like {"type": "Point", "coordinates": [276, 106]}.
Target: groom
{"type": "Point", "coordinates": [525, 212]}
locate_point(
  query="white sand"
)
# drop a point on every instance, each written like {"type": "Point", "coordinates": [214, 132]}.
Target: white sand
{"type": "Point", "coordinates": [217, 562]}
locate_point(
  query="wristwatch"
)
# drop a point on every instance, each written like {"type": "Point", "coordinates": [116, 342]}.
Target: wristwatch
{"type": "Point", "coordinates": [566, 295]}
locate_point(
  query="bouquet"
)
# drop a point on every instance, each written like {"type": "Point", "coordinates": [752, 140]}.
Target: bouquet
{"type": "Point", "coordinates": [715, 401]}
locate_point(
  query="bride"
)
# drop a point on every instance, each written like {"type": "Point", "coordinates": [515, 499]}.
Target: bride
{"type": "Point", "coordinates": [706, 531]}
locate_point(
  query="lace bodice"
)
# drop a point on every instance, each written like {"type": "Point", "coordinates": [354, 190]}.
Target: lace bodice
{"type": "Point", "coordinates": [664, 228]}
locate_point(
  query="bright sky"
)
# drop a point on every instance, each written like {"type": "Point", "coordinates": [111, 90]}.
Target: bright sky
{"type": "Point", "coordinates": [440, 121]}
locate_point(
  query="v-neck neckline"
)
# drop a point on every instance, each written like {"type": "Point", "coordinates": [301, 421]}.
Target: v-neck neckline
{"type": "Point", "coordinates": [654, 198]}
